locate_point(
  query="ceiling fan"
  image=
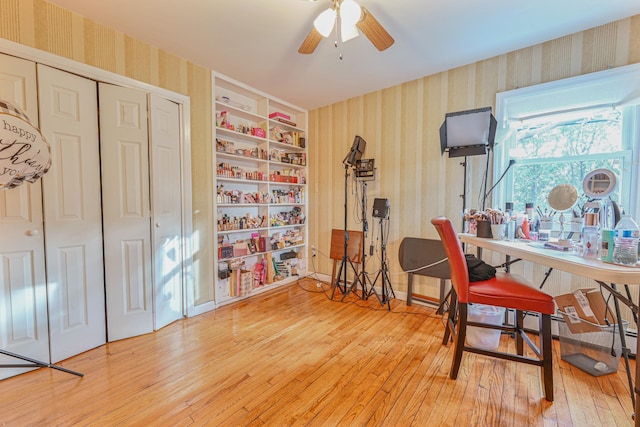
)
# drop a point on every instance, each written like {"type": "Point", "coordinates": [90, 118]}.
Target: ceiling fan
{"type": "Point", "coordinates": [351, 17]}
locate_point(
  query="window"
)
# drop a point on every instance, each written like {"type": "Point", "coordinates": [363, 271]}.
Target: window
{"type": "Point", "coordinates": [559, 132]}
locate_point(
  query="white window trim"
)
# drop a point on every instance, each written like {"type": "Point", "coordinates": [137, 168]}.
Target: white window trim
{"type": "Point", "coordinates": [614, 88]}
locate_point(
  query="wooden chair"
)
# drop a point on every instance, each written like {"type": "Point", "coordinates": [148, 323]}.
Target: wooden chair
{"type": "Point", "coordinates": [354, 249]}
{"type": "Point", "coordinates": [505, 290]}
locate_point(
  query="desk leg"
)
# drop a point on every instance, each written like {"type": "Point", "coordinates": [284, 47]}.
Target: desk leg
{"type": "Point", "coordinates": [636, 412]}
{"type": "Point", "coordinates": [625, 349]}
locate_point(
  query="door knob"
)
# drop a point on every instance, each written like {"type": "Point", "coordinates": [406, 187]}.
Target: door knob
{"type": "Point", "coordinates": [33, 232]}
{"type": "Point", "coordinates": [157, 225]}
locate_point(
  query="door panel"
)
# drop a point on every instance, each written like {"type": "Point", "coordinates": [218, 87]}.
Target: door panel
{"type": "Point", "coordinates": [23, 295]}
{"type": "Point", "coordinates": [127, 226]}
{"type": "Point", "coordinates": [73, 213]}
{"type": "Point", "coordinates": [166, 210]}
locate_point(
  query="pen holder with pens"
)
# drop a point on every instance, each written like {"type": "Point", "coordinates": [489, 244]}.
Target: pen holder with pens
{"type": "Point", "coordinates": [546, 225]}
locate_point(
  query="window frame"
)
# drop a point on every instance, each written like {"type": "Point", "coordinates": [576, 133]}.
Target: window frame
{"type": "Point", "coordinates": [612, 88]}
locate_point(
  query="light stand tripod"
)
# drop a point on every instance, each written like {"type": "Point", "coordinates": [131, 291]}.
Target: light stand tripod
{"type": "Point", "coordinates": [346, 260]}
{"type": "Point", "coordinates": [33, 363]}
{"type": "Point", "coordinates": [383, 273]}
{"type": "Point", "coordinates": [363, 277]}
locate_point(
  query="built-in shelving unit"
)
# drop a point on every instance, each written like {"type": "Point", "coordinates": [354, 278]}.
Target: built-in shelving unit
{"type": "Point", "coordinates": [260, 163]}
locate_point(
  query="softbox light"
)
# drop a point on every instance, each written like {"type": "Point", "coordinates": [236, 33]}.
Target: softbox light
{"type": "Point", "coordinates": [468, 133]}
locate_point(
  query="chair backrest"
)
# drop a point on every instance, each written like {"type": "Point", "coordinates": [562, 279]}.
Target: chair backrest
{"type": "Point", "coordinates": [354, 245]}
{"type": "Point", "coordinates": [418, 252]}
{"type": "Point", "coordinates": [457, 261]}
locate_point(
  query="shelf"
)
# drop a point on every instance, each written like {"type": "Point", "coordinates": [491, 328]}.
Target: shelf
{"type": "Point", "coordinates": [295, 184]}
{"type": "Point", "coordinates": [302, 245]}
{"type": "Point", "coordinates": [242, 230]}
{"type": "Point", "coordinates": [285, 146]}
{"type": "Point", "coordinates": [244, 136]}
{"type": "Point", "coordinates": [256, 291]}
{"type": "Point", "coordinates": [286, 165]}
{"type": "Point", "coordinates": [280, 227]}
{"type": "Point", "coordinates": [238, 112]}
{"type": "Point", "coordinates": [232, 157]}
{"type": "Point", "coordinates": [238, 155]}
{"type": "Point", "coordinates": [242, 205]}
{"type": "Point", "coordinates": [286, 126]}
{"type": "Point", "coordinates": [243, 181]}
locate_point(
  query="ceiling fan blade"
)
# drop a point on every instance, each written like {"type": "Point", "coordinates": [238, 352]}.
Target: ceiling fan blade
{"type": "Point", "coordinates": [311, 42]}
{"type": "Point", "coordinates": [375, 32]}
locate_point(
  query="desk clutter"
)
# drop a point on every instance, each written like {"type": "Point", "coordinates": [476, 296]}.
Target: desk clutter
{"type": "Point", "coordinates": [584, 235]}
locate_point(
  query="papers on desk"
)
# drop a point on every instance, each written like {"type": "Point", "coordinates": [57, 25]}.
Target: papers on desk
{"type": "Point", "coordinates": [551, 245]}
{"type": "Point", "coordinates": [557, 247]}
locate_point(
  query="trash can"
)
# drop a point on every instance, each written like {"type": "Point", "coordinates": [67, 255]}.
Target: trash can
{"type": "Point", "coordinates": [486, 339]}
{"type": "Point", "coordinates": [597, 353]}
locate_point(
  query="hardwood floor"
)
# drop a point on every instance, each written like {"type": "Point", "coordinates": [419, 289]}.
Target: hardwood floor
{"type": "Point", "coordinates": [291, 356]}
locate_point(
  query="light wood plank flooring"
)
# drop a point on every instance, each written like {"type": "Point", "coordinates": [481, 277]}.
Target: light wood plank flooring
{"type": "Point", "coordinates": [291, 356]}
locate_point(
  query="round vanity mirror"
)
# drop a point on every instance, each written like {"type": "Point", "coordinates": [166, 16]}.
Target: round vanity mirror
{"type": "Point", "coordinates": [599, 183]}
{"type": "Point", "coordinates": [562, 197]}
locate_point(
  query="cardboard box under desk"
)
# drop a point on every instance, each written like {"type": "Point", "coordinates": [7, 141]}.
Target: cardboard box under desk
{"type": "Point", "coordinates": [585, 310]}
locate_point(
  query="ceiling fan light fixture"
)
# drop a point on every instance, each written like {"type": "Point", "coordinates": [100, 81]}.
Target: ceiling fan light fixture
{"type": "Point", "coordinates": [325, 21]}
{"type": "Point", "coordinates": [350, 13]}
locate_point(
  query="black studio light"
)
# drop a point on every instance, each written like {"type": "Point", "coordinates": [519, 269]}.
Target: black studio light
{"type": "Point", "coordinates": [468, 133]}
{"type": "Point", "coordinates": [356, 152]}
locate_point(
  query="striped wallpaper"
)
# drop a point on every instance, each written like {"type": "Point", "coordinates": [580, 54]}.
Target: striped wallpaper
{"type": "Point", "coordinates": [400, 124]}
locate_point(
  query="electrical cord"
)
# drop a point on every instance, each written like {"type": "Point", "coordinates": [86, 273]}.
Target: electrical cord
{"type": "Point", "coordinates": [327, 286]}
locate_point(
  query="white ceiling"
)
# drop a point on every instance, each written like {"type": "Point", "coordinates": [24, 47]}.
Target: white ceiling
{"type": "Point", "coordinates": [256, 41]}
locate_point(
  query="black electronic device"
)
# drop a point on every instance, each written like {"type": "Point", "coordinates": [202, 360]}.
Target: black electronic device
{"type": "Point", "coordinates": [365, 169]}
{"type": "Point", "coordinates": [381, 208]}
{"type": "Point", "coordinates": [468, 133]}
{"type": "Point", "coordinates": [356, 152]}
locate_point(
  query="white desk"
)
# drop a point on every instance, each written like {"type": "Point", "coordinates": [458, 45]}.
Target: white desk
{"type": "Point", "coordinates": [607, 275]}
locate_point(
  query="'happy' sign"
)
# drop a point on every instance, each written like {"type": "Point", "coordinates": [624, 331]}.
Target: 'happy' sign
{"type": "Point", "coordinates": [24, 153]}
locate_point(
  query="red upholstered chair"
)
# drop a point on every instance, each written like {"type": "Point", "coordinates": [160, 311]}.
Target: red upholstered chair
{"type": "Point", "coordinates": [505, 290]}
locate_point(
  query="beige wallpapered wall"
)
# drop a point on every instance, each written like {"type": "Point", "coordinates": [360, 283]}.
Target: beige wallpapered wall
{"type": "Point", "coordinates": [400, 124]}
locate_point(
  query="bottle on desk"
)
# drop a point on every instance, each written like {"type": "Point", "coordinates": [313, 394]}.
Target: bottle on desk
{"type": "Point", "coordinates": [511, 222]}
{"type": "Point", "coordinates": [625, 251]}
{"type": "Point", "coordinates": [606, 245]}
{"type": "Point", "coordinates": [590, 236]}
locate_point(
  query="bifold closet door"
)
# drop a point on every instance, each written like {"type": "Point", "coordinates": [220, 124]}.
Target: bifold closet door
{"type": "Point", "coordinates": [166, 210]}
{"type": "Point", "coordinates": [23, 294]}
{"type": "Point", "coordinates": [72, 213]}
{"type": "Point", "coordinates": [127, 217]}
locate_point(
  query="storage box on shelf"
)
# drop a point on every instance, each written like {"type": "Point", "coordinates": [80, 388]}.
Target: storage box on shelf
{"type": "Point", "coordinates": [260, 202]}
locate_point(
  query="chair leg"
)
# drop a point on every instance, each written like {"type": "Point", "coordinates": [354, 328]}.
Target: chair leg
{"type": "Point", "coordinates": [547, 357]}
{"type": "Point", "coordinates": [519, 320]}
{"type": "Point", "coordinates": [460, 336]}
{"type": "Point", "coordinates": [451, 317]}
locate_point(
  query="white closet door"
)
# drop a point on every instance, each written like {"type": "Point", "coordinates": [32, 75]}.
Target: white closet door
{"type": "Point", "coordinates": [127, 226]}
{"type": "Point", "coordinates": [73, 213]}
{"type": "Point", "coordinates": [166, 210]}
{"type": "Point", "coordinates": [23, 294]}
